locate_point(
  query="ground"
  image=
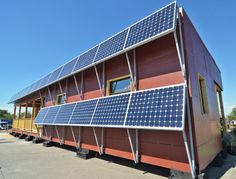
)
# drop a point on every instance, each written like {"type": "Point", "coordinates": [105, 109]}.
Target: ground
{"type": "Point", "coordinates": [22, 160]}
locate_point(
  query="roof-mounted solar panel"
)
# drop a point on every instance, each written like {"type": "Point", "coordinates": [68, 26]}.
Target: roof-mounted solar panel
{"type": "Point", "coordinates": [155, 24]}
{"type": "Point", "coordinates": [54, 75]}
{"type": "Point", "coordinates": [111, 46]}
{"type": "Point", "coordinates": [67, 69]}
{"type": "Point", "coordinates": [150, 28]}
{"type": "Point", "coordinates": [86, 59]}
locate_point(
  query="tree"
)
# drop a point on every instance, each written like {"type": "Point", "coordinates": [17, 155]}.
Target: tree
{"type": "Point", "coordinates": [232, 115]}
{"type": "Point", "coordinates": [4, 114]}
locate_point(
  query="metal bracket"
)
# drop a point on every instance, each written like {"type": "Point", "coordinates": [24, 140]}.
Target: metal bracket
{"type": "Point", "coordinates": [49, 92]}
{"type": "Point", "coordinates": [77, 142]}
{"type": "Point", "coordinates": [98, 79]}
{"type": "Point", "coordinates": [77, 87]}
{"type": "Point", "coordinates": [60, 86]}
{"type": "Point", "coordinates": [130, 70]}
{"type": "Point", "coordinates": [136, 152]}
{"type": "Point", "coordinates": [100, 148]}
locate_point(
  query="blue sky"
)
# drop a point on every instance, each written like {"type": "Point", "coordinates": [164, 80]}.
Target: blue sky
{"type": "Point", "coordinates": [38, 36]}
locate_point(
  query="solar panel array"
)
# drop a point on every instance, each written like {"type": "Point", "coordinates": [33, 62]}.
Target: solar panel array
{"type": "Point", "coordinates": [149, 28]}
{"type": "Point", "coordinates": [161, 108]}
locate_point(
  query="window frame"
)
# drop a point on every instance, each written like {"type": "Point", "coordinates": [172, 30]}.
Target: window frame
{"type": "Point", "coordinates": [60, 95]}
{"type": "Point", "coordinates": [117, 79]}
{"type": "Point", "coordinates": [202, 88]}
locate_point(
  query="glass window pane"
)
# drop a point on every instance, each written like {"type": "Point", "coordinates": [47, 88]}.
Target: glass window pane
{"type": "Point", "coordinates": [120, 86]}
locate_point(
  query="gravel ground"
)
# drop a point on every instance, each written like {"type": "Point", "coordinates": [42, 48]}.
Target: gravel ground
{"type": "Point", "coordinates": [22, 160]}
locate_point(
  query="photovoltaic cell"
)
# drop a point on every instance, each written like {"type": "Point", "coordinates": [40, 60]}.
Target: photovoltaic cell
{"type": "Point", "coordinates": [83, 112]}
{"type": "Point", "coordinates": [51, 115]}
{"type": "Point", "coordinates": [111, 110]}
{"type": "Point", "coordinates": [40, 116]}
{"type": "Point", "coordinates": [157, 108]}
{"type": "Point", "coordinates": [64, 114]}
{"type": "Point", "coordinates": [67, 69]}
{"type": "Point", "coordinates": [54, 75]}
{"type": "Point", "coordinates": [44, 80]}
{"type": "Point", "coordinates": [86, 59]}
{"type": "Point", "coordinates": [155, 24]}
{"type": "Point", "coordinates": [111, 46]}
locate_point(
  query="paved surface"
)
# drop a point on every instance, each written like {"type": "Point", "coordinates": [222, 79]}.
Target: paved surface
{"type": "Point", "coordinates": [24, 160]}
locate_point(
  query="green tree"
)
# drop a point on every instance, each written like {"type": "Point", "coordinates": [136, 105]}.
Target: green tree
{"type": "Point", "coordinates": [232, 115]}
{"type": "Point", "coordinates": [4, 114]}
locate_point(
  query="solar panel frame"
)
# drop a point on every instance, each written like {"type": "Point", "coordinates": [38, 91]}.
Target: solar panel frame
{"type": "Point", "coordinates": [108, 47]}
{"type": "Point", "coordinates": [86, 59]}
{"type": "Point", "coordinates": [91, 124]}
{"type": "Point", "coordinates": [68, 68]}
{"type": "Point", "coordinates": [124, 49]}
{"type": "Point", "coordinates": [127, 45]}
{"type": "Point", "coordinates": [64, 113]}
{"type": "Point", "coordinates": [159, 127]}
{"type": "Point", "coordinates": [45, 110]}
{"type": "Point", "coordinates": [111, 110]}
{"type": "Point", "coordinates": [54, 76]}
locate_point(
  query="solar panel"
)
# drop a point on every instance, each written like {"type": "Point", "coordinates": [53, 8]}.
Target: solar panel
{"type": "Point", "coordinates": [147, 29]}
{"type": "Point", "coordinates": [111, 46]}
{"type": "Point", "coordinates": [44, 80]}
{"type": "Point", "coordinates": [153, 25]}
{"type": "Point", "coordinates": [41, 115]}
{"type": "Point", "coordinates": [54, 75]}
{"type": "Point", "coordinates": [51, 115]}
{"type": "Point", "coordinates": [159, 108]}
{"type": "Point", "coordinates": [86, 59]}
{"type": "Point", "coordinates": [64, 114]}
{"type": "Point", "coordinates": [67, 69]}
{"type": "Point", "coordinates": [83, 112]}
{"type": "Point", "coordinates": [111, 111]}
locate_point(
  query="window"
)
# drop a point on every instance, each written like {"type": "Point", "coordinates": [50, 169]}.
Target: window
{"type": "Point", "coordinates": [42, 102]}
{"type": "Point", "coordinates": [203, 94]}
{"type": "Point", "coordinates": [119, 85]}
{"type": "Point", "coordinates": [61, 99]}
{"type": "Point", "coordinates": [219, 101]}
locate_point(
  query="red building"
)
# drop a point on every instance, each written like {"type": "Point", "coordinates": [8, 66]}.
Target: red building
{"type": "Point", "coordinates": [151, 93]}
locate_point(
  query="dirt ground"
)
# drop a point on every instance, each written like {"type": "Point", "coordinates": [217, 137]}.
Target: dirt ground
{"type": "Point", "coordinates": [22, 160]}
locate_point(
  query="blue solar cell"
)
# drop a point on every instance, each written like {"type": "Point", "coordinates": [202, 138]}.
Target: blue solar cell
{"type": "Point", "coordinates": [51, 115]}
{"type": "Point", "coordinates": [42, 113]}
{"type": "Point", "coordinates": [157, 108]}
{"type": "Point", "coordinates": [111, 110]}
{"type": "Point", "coordinates": [86, 59]}
{"type": "Point", "coordinates": [44, 81]}
{"type": "Point", "coordinates": [67, 69]}
{"type": "Point", "coordinates": [83, 112]}
{"type": "Point", "coordinates": [153, 25]}
{"type": "Point", "coordinates": [54, 75]}
{"type": "Point", "coordinates": [64, 114]}
{"type": "Point", "coordinates": [111, 46]}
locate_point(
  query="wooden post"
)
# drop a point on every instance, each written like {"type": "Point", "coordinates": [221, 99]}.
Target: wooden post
{"type": "Point", "coordinates": [25, 116]}
{"type": "Point", "coordinates": [18, 118]}
{"type": "Point", "coordinates": [32, 116]}
{"type": "Point", "coordinates": [14, 117]}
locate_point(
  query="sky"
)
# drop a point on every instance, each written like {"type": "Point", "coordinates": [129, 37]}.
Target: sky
{"type": "Point", "coordinates": [36, 37]}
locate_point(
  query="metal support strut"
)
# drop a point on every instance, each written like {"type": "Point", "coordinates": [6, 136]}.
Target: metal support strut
{"type": "Point", "coordinates": [136, 151]}
{"type": "Point", "coordinates": [100, 147]}
{"type": "Point", "coordinates": [180, 52]}
{"type": "Point", "coordinates": [77, 142]}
